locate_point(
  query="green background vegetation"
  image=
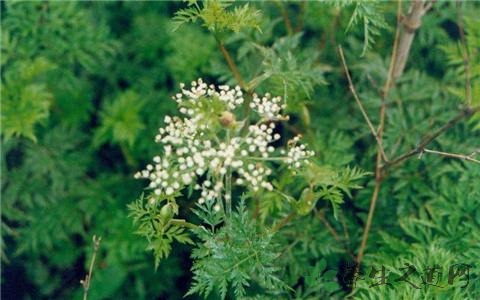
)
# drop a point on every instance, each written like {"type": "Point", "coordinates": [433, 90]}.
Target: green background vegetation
{"type": "Point", "coordinates": [85, 86]}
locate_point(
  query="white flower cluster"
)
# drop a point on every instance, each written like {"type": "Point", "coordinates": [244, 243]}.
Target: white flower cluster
{"type": "Point", "coordinates": [297, 153]}
{"type": "Point", "coordinates": [194, 155]}
{"type": "Point", "coordinates": [189, 98]}
{"type": "Point", "coordinates": [268, 107]}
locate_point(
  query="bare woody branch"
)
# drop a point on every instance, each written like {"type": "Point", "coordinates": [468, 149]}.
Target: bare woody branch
{"type": "Point", "coordinates": [453, 155]}
{"type": "Point", "coordinates": [410, 23]}
{"type": "Point", "coordinates": [465, 113]}
{"type": "Point", "coordinates": [360, 105]}
{"type": "Point", "coordinates": [378, 165]}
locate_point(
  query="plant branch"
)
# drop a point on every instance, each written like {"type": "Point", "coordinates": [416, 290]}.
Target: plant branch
{"type": "Point", "coordinates": [378, 164]}
{"type": "Point", "coordinates": [360, 105]}
{"type": "Point", "coordinates": [394, 58]}
{"type": "Point", "coordinates": [368, 225]}
{"type": "Point", "coordinates": [336, 236]}
{"type": "Point", "coordinates": [321, 216]}
{"type": "Point", "coordinates": [284, 221]}
{"type": "Point", "coordinates": [411, 22]}
{"type": "Point", "coordinates": [465, 113]}
{"type": "Point", "coordinates": [401, 48]}
{"type": "Point", "coordinates": [232, 66]}
{"type": "Point", "coordinates": [86, 282]}
{"type": "Point", "coordinates": [453, 155]}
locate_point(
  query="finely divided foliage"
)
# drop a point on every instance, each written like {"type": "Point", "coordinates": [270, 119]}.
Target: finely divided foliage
{"type": "Point", "coordinates": [321, 134]}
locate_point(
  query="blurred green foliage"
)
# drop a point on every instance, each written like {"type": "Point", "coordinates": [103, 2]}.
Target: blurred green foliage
{"type": "Point", "coordinates": [85, 86]}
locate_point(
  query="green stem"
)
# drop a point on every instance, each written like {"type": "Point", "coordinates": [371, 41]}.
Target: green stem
{"type": "Point", "coordinates": [228, 192]}
{"type": "Point", "coordinates": [228, 186]}
{"type": "Point", "coordinates": [183, 223]}
{"type": "Point", "coordinates": [280, 158]}
{"type": "Point", "coordinates": [231, 64]}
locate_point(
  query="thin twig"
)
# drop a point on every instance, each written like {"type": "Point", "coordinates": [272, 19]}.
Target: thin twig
{"type": "Point", "coordinates": [360, 105]}
{"type": "Point", "coordinates": [378, 164]}
{"type": "Point", "coordinates": [453, 155]}
{"type": "Point", "coordinates": [368, 225]}
{"type": "Point", "coordinates": [334, 233]}
{"type": "Point", "coordinates": [284, 221]}
{"type": "Point", "coordinates": [88, 278]}
{"type": "Point", "coordinates": [465, 113]}
{"type": "Point", "coordinates": [232, 65]}
{"type": "Point", "coordinates": [465, 56]}
{"type": "Point", "coordinates": [336, 236]}
{"type": "Point", "coordinates": [238, 77]}
{"type": "Point", "coordinates": [344, 226]}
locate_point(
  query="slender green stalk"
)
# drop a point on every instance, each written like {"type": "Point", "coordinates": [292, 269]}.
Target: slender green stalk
{"type": "Point", "coordinates": [88, 278]}
{"type": "Point", "coordinates": [228, 186]}
{"type": "Point", "coordinates": [228, 192]}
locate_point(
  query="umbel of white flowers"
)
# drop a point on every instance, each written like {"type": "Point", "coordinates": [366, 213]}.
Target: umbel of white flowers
{"type": "Point", "coordinates": [196, 153]}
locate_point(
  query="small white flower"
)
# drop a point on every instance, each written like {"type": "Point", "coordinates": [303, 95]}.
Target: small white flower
{"type": "Point", "coordinates": [191, 149]}
{"type": "Point", "coordinates": [187, 179]}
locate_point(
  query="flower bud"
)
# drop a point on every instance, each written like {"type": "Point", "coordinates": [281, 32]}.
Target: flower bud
{"type": "Point", "coordinates": [227, 119]}
{"type": "Point", "coordinates": [166, 213]}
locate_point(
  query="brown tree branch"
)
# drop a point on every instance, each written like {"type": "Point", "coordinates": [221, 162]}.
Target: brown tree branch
{"type": "Point", "coordinates": [360, 105]}
{"type": "Point", "coordinates": [411, 22]}
{"type": "Point", "coordinates": [368, 225]}
{"type": "Point", "coordinates": [401, 49]}
{"type": "Point", "coordinates": [378, 164]}
{"type": "Point", "coordinates": [453, 155]}
{"type": "Point", "coordinates": [465, 113]}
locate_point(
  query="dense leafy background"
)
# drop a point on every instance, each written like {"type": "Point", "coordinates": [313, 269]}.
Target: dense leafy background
{"type": "Point", "coordinates": [86, 85]}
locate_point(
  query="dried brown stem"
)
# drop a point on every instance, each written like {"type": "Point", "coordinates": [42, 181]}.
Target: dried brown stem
{"type": "Point", "coordinates": [452, 155]}
{"type": "Point", "coordinates": [368, 225]}
{"type": "Point", "coordinates": [411, 22]}
{"type": "Point", "coordinates": [378, 164]}
{"type": "Point", "coordinates": [465, 113]}
{"type": "Point", "coordinates": [360, 105]}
